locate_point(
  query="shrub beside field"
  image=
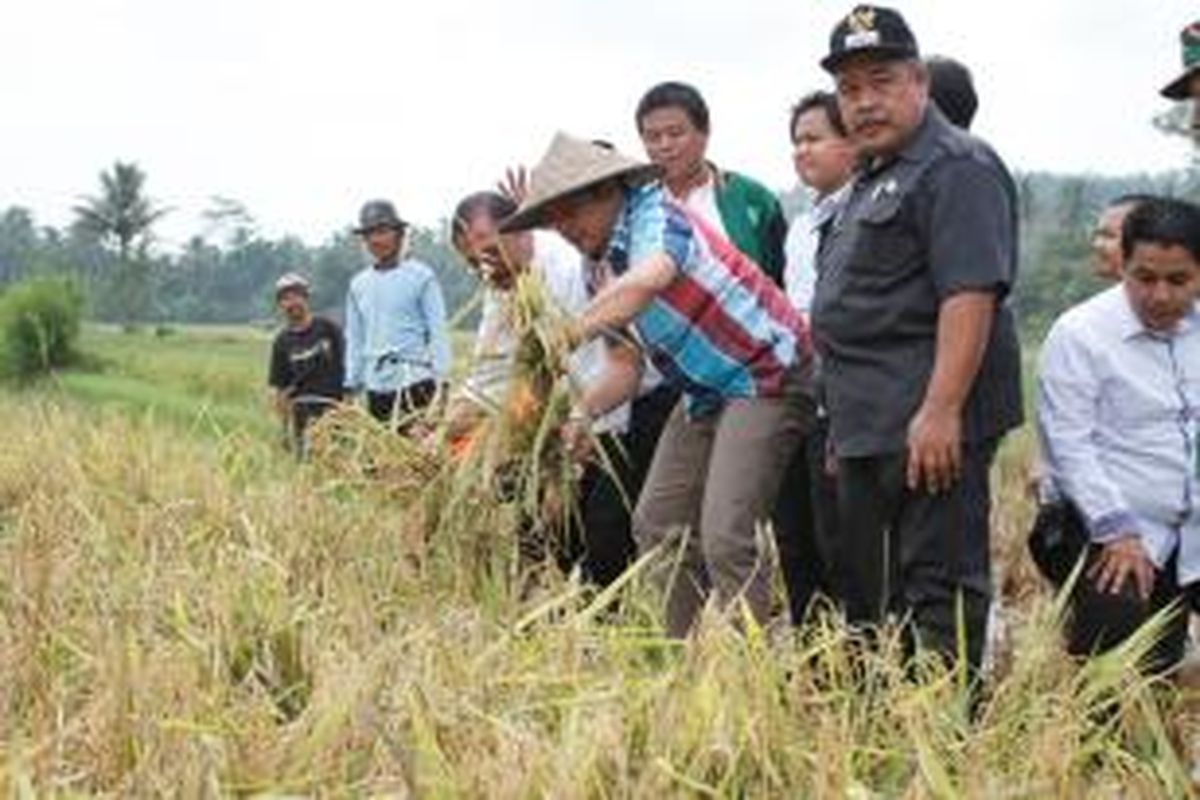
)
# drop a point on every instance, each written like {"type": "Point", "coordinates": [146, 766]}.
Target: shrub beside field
{"type": "Point", "coordinates": [39, 326]}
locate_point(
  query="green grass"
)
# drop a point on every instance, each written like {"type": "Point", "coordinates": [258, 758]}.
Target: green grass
{"type": "Point", "coordinates": [210, 379]}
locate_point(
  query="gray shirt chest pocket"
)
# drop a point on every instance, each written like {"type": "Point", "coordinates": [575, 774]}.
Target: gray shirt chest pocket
{"type": "Point", "coordinates": [886, 246]}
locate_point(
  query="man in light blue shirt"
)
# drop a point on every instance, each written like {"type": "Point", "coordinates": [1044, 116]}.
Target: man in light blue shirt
{"type": "Point", "coordinates": [1118, 410]}
{"type": "Point", "coordinates": [397, 343]}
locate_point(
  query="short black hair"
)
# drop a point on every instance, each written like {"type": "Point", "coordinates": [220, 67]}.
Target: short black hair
{"type": "Point", "coordinates": [674, 94]}
{"type": "Point", "coordinates": [1164, 221]}
{"type": "Point", "coordinates": [826, 101]}
{"type": "Point", "coordinates": [1129, 199]}
{"type": "Point", "coordinates": [952, 90]}
{"type": "Point", "coordinates": [497, 207]}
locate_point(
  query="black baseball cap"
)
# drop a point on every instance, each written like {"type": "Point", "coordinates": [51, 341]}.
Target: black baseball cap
{"type": "Point", "coordinates": [870, 29]}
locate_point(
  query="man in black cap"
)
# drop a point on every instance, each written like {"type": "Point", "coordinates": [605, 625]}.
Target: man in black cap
{"type": "Point", "coordinates": [397, 343]}
{"type": "Point", "coordinates": [921, 361]}
{"type": "Point", "coordinates": [1187, 85]}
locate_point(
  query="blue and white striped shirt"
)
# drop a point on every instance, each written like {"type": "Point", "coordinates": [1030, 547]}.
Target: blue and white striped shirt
{"type": "Point", "coordinates": [1118, 410]}
{"type": "Point", "coordinates": [721, 329]}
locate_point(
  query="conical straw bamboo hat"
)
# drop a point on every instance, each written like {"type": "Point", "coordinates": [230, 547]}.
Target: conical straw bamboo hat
{"type": "Point", "coordinates": [571, 165]}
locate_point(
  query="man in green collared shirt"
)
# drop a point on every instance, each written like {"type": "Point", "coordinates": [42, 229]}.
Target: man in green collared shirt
{"type": "Point", "coordinates": [673, 122]}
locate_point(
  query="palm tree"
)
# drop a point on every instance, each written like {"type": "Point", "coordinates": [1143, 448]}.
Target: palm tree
{"type": "Point", "coordinates": [122, 214]}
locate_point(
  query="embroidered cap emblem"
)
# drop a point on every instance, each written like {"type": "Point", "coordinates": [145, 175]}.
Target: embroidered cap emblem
{"type": "Point", "coordinates": [861, 20]}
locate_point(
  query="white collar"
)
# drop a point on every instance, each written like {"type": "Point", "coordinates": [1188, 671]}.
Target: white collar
{"type": "Point", "coordinates": [827, 206]}
{"type": "Point", "coordinates": [1130, 326]}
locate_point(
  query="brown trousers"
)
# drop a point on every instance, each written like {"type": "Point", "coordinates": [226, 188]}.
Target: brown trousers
{"type": "Point", "coordinates": [712, 483]}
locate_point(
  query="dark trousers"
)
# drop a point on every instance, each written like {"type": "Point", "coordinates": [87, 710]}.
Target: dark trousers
{"type": "Point", "coordinates": [806, 526]}
{"type": "Point", "coordinates": [1101, 621]}
{"type": "Point", "coordinates": [304, 413]}
{"type": "Point", "coordinates": [921, 557]}
{"type": "Point", "coordinates": [599, 538]}
{"type": "Point", "coordinates": [393, 407]}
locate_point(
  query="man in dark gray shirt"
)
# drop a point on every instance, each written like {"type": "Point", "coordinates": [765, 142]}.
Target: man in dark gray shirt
{"type": "Point", "coordinates": [921, 361]}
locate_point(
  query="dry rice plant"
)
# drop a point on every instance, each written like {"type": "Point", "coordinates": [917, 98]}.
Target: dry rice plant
{"type": "Point", "coordinates": [347, 444]}
{"type": "Point", "coordinates": [538, 399]}
{"type": "Point", "coordinates": [203, 619]}
{"type": "Point", "coordinates": [476, 494]}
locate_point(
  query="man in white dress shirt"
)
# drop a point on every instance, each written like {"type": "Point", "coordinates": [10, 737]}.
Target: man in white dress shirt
{"type": "Point", "coordinates": [806, 514]}
{"type": "Point", "coordinates": [825, 159]}
{"type": "Point", "coordinates": [1118, 410]}
{"type": "Point", "coordinates": [604, 547]}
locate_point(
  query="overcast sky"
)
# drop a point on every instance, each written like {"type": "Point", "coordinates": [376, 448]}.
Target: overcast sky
{"type": "Point", "coordinates": [303, 110]}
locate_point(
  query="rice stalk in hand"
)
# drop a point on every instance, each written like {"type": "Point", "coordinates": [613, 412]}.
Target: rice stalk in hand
{"type": "Point", "coordinates": [538, 404]}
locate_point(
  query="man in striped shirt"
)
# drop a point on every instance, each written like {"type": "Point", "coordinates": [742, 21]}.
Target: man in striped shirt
{"type": "Point", "coordinates": [717, 327]}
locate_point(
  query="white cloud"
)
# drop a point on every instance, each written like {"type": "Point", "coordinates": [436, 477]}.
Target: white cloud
{"type": "Point", "coordinates": [302, 110]}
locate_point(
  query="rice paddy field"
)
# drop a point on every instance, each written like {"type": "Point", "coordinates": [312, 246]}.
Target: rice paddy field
{"type": "Point", "coordinates": [186, 611]}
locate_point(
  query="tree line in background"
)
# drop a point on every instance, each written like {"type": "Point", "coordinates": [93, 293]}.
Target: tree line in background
{"type": "Point", "coordinates": [225, 273]}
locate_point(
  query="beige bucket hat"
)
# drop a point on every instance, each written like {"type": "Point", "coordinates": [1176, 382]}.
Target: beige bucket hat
{"type": "Point", "coordinates": [572, 165]}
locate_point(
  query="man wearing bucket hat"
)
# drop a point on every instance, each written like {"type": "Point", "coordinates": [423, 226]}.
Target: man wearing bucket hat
{"type": "Point", "coordinates": [397, 343]}
{"type": "Point", "coordinates": [715, 325]}
{"type": "Point", "coordinates": [1187, 85]}
{"type": "Point", "coordinates": [918, 345]}
{"type": "Point", "coordinates": [306, 360]}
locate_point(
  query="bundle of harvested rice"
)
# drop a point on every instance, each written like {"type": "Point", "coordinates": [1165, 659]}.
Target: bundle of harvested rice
{"type": "Point", "coordinates": [350, 446]}
{"type": "Point", "coordinates": [538, 401]}
{"type": "Point", "coordinates": [486, 487]}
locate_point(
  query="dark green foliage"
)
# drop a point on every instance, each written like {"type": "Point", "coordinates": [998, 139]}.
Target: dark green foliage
{"type": "Point", "coordinates": [1056, 217]}
{"type": "Point", "coordinates": [39, 326]}
{"type": "Point", "coordinates": [234, 282]}
{"type": "Point", "coordinates": [226, 274]}
{"type": "Point", "coordinates": [123, 216]}
{"type": "Point", "coordinates": [121, 212]}
{"type": "Point", "coordinates": [229, 280]}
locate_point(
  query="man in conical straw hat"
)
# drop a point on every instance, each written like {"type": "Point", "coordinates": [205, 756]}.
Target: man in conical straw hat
{"type": "Point", "coordinates": [717, 327]}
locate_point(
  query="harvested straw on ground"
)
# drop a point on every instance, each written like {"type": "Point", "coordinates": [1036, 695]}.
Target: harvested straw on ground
{"type": "Point", "coordinates": [348, 444]}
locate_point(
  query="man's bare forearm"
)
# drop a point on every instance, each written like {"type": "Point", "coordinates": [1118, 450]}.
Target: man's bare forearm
{"type": "Point", "coordinates": [617, 304]}
{"type": "Point", "coordinates": [964, 327]}
{"type": "Point", "coordinates": [618, 384]}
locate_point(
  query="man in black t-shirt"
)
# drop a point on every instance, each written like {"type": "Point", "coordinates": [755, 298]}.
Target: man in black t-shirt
{"type": "Point", "coordinates": [306, 360]}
